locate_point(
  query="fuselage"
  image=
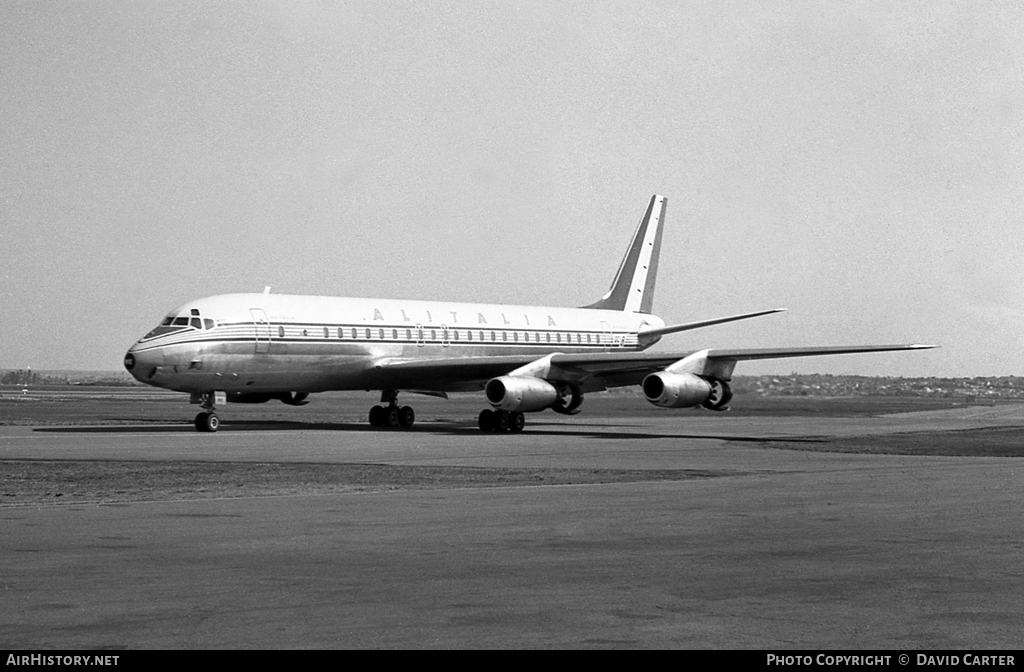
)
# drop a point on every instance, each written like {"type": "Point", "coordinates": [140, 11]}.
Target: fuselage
{"type": "Point", "coordinates": [260, 343]}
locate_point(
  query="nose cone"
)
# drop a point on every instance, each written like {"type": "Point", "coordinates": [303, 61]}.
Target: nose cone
{"type": "Point", "coordinates": [136, 365]}
{"type": "Point", "coordinates": [142, 365]}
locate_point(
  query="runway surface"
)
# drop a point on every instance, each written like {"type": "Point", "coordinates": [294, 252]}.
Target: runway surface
{"type": "Point", "coordinates": [751, 547]}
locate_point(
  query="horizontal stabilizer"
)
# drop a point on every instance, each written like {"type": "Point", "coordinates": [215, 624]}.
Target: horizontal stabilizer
{"type": "Point", "coordinates": [648, 334]}
{"type": "Point", "coordinates": [779, 353]}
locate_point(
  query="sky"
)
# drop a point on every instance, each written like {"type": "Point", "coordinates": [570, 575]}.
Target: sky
{"type": "Point", "coordinates": [860, 164]}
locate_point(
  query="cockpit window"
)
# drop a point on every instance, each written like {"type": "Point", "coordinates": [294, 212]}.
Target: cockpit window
{"type": "Point", "coordinates": [161, 330]}
{"type": "Point", "coordinates": [173, 323]}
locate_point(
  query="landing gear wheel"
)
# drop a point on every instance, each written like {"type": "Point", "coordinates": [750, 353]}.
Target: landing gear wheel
{"type": "Point", "coordinates": [406, 416]}
{"type": "Point", "coordinates": [391, 416]}
{"type": "Point", "coordinates": [516, 421]}
{"type": "Point", "coordinates": [378, 416]}
{"type": "Point", "coordinates": [207, 422]}
{"type": "Point", "coordinates": [486, 420]}
{"type": "Point", "coordinates": [501, 421]}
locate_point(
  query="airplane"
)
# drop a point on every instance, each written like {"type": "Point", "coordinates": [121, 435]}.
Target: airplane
{"type": "Point", "coordinates": [253, 348]}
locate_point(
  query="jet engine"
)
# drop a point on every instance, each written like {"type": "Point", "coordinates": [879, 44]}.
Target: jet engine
{"type": "Point", "coordinates": [569, 400]}
{"type": "Point", "coordinates": [248, 397]}
{"type": "Point", "coordinates": [290, 398]}
{"type": "Point", "coordinates": [514, 393]}
{"type": "Point", "coordinates": [685, 390]}
{"type": "Point", "coordinates": [721, 394]}
{"type": "Point", "coordinates": [294, 398]}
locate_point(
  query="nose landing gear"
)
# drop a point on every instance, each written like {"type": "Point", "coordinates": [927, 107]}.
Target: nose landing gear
{"type": "Point", "coordinates": [207, 420]}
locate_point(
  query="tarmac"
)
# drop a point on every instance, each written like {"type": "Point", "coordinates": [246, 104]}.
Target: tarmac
{"type": "Point", "coordinates": [773, 549]}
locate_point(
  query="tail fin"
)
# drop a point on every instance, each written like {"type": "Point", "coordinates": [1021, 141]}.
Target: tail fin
{"type": "Point", "coordinates": [633, 288]}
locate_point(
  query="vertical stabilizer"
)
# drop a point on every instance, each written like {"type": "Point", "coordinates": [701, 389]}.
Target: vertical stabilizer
{"type": "Point", "coordinates": [633, 288]}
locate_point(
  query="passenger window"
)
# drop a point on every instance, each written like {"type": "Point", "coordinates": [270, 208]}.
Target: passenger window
{"type": "Point", "coordinates": [341, 333]}
{"type": "Point", "coordinates": [394, 334]}
{"type": "Point", "coordinates": [355, 334]}
{"type": "Point", "coordinates": [381, 334]}
{"type": "Point", "coordinates": [280, 332]}
{"type": "Point", "coordinates": [368, 333]}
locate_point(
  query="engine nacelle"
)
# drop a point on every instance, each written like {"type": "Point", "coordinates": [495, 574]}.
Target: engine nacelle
{"type": "Point", "coordinates": [676, 390]}
{"type": "Point", "coordinates": [570, 398]}
{"type": "Point", "coordinates": [290, 398]}
{"type": "Point", "coordinates": [249, 397]}
{"type": "Point", "coordinates": [721, 394]}
{"type": "Point", "coordinates": [515, 393]}
{"type": "Point", "coordinates": [294, 398]}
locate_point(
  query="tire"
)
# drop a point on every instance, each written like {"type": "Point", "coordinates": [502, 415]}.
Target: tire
{"type": "Point", "coordinates": [377, 416]}
{"type": "Point", "coordinates": [516, 421]}
{"type": "Point", "coordinates": [501, 421]}
{"type": "Point", "coordinates": [486, 420]}
{"type": "Point", "coordinates": [391, 416]}
{"type": "Point", "coordinates": [207, 422]}
{"type": "Point", "coordinates": [406, 416]}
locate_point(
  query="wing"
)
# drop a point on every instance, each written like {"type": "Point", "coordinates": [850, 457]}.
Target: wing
{"type": "Point", "coordinates": [592, 372]}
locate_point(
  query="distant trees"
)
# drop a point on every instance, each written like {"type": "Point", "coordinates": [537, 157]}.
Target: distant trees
{"type": "Point", "coordinates": [20, 377]}
{"type": "Point", "coordinates": [1007, 387]}
{"type": "Point", "coordinates": [28, 377]}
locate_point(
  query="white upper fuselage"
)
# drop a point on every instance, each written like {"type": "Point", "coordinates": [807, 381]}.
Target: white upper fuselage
{"type": "Point", "coordinates": [277, 342]}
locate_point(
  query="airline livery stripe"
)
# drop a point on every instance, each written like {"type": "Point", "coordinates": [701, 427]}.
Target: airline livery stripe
{"type": "Point", "coordinates": [516, 338]}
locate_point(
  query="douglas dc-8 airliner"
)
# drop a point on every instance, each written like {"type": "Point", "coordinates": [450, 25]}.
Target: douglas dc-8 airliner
{"type": "Point", "coordinates": [252, 348]}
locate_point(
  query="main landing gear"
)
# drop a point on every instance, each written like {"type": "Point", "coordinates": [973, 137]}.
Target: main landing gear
{"type": "Point", "coordinates": [391, 415]}
{"type": "Point", "coordinates": [501, 421]}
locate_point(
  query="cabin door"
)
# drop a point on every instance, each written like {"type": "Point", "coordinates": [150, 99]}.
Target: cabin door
{"type": "Point", "coordinates": [262, 325]}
